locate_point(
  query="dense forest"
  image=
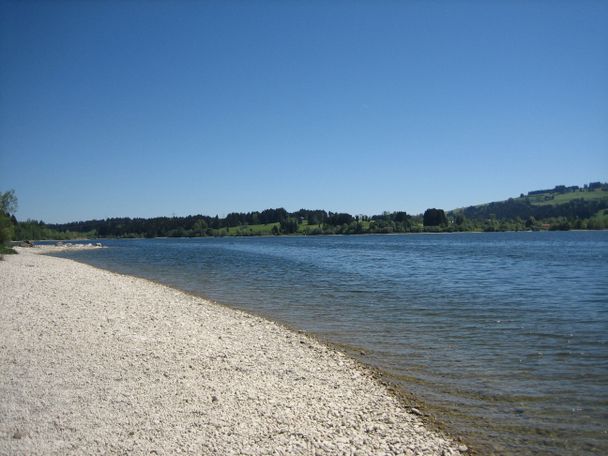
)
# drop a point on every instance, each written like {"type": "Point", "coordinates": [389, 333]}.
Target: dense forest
{"type": "Point", "coordinates": [560, 208]}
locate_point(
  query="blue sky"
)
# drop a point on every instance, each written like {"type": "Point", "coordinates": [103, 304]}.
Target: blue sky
{"type": "Point", "coordinates": [158, 108]}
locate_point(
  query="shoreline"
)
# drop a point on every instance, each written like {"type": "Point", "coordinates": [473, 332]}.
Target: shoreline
{"type": "Point", "coordinates": [408, 400]}
{"type": "Point", "coordinates": [282, 390]}
{"type": "Point", "coordinates": [428, 414]}
{"type": "Point", "coordinates": [302, 235]}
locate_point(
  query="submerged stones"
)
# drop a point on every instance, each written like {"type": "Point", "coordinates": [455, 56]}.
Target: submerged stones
{"type": "Point", "coordinates": [182, 389]}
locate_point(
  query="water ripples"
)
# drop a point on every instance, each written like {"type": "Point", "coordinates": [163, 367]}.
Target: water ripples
{"type": "Point", "coordinates": [504, 334]}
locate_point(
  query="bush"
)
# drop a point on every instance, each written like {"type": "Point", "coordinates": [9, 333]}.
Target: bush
{"type": "Point", "coordinates": [6, 251]}
{"type": "Point", "coordinates": [7, 230]}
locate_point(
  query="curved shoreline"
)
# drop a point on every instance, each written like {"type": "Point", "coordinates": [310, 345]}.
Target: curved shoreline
{"type": "Point", "coordinates": [95, 361]}
{"type": "Point", "coordinates": [427, 413]}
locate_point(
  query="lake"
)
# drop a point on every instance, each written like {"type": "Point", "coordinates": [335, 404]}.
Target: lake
{"type": "Point", "coordinates": [503, 335]}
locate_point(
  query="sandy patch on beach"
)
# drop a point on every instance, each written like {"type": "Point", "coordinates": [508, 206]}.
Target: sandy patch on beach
{"type": "Point", "coordinates": [96, 362]}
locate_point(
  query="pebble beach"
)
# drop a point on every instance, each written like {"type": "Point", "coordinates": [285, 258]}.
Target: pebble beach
{"type": "Point", "coordinates": [97, 362]}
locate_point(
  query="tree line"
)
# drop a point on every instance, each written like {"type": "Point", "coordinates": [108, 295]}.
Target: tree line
{"type": "Point", "coordinates": [269, 221]}
{"type": "Point", "coordinates": [511, 215]}
{"type": "Point", "coordinates": [504, 216]}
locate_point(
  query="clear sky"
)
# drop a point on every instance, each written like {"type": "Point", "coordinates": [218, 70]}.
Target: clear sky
{"type": "Point", "coordinates": [142, 108]}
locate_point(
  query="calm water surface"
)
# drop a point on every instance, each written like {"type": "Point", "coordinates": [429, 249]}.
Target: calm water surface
{"type": "Point", "coordinates": [504, 335]}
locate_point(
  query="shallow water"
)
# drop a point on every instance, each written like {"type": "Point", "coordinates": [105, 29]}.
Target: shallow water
{"type": "Point", "coordinates": [504, 335]}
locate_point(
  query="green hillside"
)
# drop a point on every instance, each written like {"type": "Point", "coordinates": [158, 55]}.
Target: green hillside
{"type": "Point", "coordinates": [553, 198]}
{"type": "Point", "coordinates": [558, 208]}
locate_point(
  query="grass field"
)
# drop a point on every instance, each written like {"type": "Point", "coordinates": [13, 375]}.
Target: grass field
{"type": "Point", "coordinates": [545, 199]}
{"type": "Point", "coordinates": [266, 229]}
{"type": "Point", "coordinates": [252, 230]}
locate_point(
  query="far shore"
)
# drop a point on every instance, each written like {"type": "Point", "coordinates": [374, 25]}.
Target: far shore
{"type": "Point", "coordinates": [97, 362]}
{"type": "Point", "coordinates": [78, 241]}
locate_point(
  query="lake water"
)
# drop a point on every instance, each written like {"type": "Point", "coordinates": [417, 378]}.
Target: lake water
{"type": "Point", "coordinates": [503, 335]}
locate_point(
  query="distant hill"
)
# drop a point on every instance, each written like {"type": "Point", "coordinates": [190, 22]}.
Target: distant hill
{"type": "Point", "coordinates": [557, 197]}
{"type": "Point", "coordinates": [570, 204]}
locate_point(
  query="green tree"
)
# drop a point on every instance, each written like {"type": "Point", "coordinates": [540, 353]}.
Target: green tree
{"type": "Point", "coordinates": [8, 202]}
{"type": "Point", "coordinates": [8, 205]}
{"type": "Point", "coordinates": [530, 222]}
{"type": "Point", "coordinates": [434, 217]}
{"type": "Point", "coordinates": [289, 226]}
{"type": "Point", "coordinates": [7, 230]}
{"type": "Point", "coordinates": [199, 228]}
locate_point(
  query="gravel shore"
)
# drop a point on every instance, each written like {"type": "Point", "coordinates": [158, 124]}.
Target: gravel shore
{"type": "Point", "coordinates": [97, 362]}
